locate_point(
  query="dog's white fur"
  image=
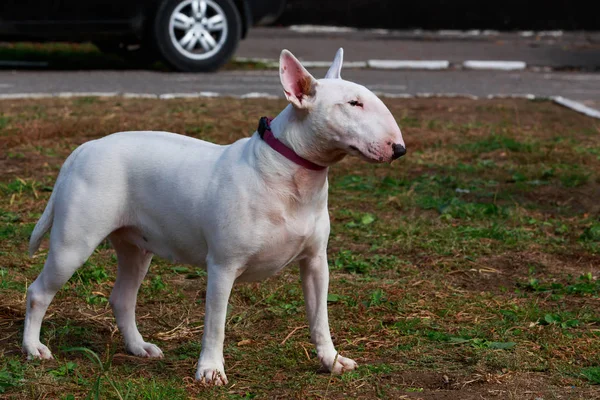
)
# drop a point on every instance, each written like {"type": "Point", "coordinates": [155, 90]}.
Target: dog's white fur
{"type": "Point", "coordinates": [243, 210]}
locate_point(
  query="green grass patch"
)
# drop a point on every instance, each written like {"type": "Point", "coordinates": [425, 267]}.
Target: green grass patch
{"type": "Point", "coordinates": [498, 142]}
{"type": "Point", "coordinates": [585, 284]}
{"type": "Point", "coordinates": [592, 374]}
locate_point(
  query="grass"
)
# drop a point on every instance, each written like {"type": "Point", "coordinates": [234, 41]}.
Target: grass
{"type": "Point", "coordinates": [468, 270]}
{"type": "Point", "coordinates": [60, 56]}
{"type": "Point", "coordinates": [69, 56]}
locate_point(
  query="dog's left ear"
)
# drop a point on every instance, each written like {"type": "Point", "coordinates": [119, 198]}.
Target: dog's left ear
{"type": "Point", "coordinates": [336, 67]}
{"type": "Point", "coordinates": [298, 84]}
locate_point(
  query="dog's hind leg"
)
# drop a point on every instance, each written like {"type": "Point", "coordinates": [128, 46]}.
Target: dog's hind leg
{"type": "Point", "coordinates": [67, 253]}
{"type": "Point", "coordinates": [133, 265]}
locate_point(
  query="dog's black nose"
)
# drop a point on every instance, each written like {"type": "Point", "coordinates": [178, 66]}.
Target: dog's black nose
{"type": "Point", "coordinates": [399, 151]}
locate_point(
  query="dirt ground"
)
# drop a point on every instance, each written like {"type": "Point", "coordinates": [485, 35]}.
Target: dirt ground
{"type": "Point", "coordinates": [468, 270]}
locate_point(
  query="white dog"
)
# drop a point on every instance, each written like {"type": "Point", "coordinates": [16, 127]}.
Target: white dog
{"type": "Point", "coordinates": [244, 211]}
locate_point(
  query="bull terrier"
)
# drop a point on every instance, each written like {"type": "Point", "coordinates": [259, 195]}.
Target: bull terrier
{"type": "Point", "coordinates": [243, 211]}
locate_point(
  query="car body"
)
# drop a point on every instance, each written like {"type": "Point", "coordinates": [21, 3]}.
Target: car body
{"type": "Point", "coordinates": [118, 24]}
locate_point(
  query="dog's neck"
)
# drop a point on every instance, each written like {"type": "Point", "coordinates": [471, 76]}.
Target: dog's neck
{"type": "Point", "coordinates": [292, 129]}
{"type": "Point", "coordinates": [289, 128]}
{"type": "Point", "coordinates": [284, 176]}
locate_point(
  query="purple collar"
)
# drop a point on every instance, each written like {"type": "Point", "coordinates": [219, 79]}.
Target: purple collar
{"type": "Point", "coordinates": [264, 130]}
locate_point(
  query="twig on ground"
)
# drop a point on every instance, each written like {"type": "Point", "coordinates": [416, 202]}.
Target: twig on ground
{"type": "Point", "coordinates": [292, 332]}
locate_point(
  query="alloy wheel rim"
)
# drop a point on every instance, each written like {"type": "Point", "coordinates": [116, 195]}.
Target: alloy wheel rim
{"type": "Point", "coordinates": [198, 28]}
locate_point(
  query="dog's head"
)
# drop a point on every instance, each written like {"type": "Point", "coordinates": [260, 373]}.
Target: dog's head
{"type": "Point", "coordinates": [346, 118]}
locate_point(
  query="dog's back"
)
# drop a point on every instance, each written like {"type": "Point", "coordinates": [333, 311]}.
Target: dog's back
{"type": "Point", "coordinates": [121, 168]}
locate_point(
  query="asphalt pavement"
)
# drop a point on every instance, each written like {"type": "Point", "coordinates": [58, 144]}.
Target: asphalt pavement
{"type": "Point", "coordinates": [578, 86]}
{"type": "Point", "coordinates": [552, 54]}
{"type": "Point", "coordinates": [555, 49]}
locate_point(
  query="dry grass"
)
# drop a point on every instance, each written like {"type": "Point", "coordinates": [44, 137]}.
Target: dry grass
{"type": "Point", "coordinates": [86, 56]}
{"type": "Point", "coordinates": [468, 270]}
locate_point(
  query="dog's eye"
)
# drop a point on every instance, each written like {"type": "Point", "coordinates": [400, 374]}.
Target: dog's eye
{"type": "Point", "coordinates": [355, 103]}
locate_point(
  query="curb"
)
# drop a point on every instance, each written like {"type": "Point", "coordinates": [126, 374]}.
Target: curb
{"type": "Point", "coordinates": [495, 65]}
{"type": "Point", "coordinates": [408, 64]}
{"type": "Point", "coordinates": [327, 64]}
{"type": "Point", "coordinates": [565, 102]}
{"type": "Point", "coordinates": [576, 106]}
{"type": "Point", "coordinates": [272, 63]}
{"type": "Point", "coordinates": [168, 96]}
{"type": "Point", "coordinates": [392, 64]}
{"type": "Point", "coordinates": [453, 33]}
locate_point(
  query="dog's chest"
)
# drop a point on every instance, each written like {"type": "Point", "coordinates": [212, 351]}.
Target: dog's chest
{"type": "Point", "coordinates": [285, 238]}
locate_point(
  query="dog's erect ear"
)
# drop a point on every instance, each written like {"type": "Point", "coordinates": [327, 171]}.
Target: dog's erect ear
{"type": "Point", "coordinates": [298, 84]}
{"type": "Point", "coordinates": [336, 67]}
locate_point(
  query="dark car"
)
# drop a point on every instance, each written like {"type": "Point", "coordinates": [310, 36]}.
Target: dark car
{"type": "Point", "coordinates": [190, 35]}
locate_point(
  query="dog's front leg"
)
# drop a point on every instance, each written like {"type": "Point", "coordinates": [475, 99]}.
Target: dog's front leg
{"type": "Point", "coordinates": [315, 282]}
{"type": "Point", "coordinates": [211, 365]}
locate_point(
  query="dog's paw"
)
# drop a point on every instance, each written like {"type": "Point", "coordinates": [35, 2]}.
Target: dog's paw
{"type": "Point", "coordinates": [211, 374]}
{"type": "Point", "coordinates": [145, 349]}
{"type": "Point", "coordinates": [37, 351]}
{"type": "Point", "coordinates": [338, 365]}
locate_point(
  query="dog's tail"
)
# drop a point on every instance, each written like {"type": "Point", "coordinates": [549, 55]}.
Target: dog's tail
{"type": "Point", "coordinates": [43, 225]}
{"type": "Point", "coordinates": [45, 222]}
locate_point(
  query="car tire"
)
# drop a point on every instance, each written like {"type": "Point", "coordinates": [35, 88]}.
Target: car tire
{"type": "Point", "coordinates": [196, 35]}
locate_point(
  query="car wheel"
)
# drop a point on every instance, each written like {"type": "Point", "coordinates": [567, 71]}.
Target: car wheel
{"type": "Point", "coordinates": [197, 35]}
